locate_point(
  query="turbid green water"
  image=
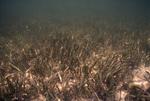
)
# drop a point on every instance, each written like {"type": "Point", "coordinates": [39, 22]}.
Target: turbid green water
{"type": "Point", "coordinates": [137, 11]}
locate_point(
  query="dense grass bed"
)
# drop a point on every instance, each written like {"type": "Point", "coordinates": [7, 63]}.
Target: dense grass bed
{"type": "Point", "coordinates": [63, 59]}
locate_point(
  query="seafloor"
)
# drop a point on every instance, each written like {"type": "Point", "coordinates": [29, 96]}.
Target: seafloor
{"type": "Point", "coordinates": [61, 58]}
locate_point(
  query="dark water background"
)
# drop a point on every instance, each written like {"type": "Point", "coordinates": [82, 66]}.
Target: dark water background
{"type": "Point", "coordinates": [137, 11]}
{"type": "Point", "coordinates": [26, 8]}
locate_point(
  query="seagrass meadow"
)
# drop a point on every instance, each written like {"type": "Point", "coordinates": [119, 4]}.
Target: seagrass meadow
{"type": "Point", "coordinates": [72, 59]}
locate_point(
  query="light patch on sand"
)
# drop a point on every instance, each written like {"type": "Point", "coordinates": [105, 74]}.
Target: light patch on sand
{"type": "Point", "coordinates": [141, 78]}
{"type": "Point", "coordinates": [120, 95]}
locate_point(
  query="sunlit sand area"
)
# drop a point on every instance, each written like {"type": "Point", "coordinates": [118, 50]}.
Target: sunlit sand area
{"type": "Point", "coordinates": [68, 59]}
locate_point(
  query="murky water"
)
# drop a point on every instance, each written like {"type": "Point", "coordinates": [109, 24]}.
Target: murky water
{"type": "Point", "coordinates": [137, 11]}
